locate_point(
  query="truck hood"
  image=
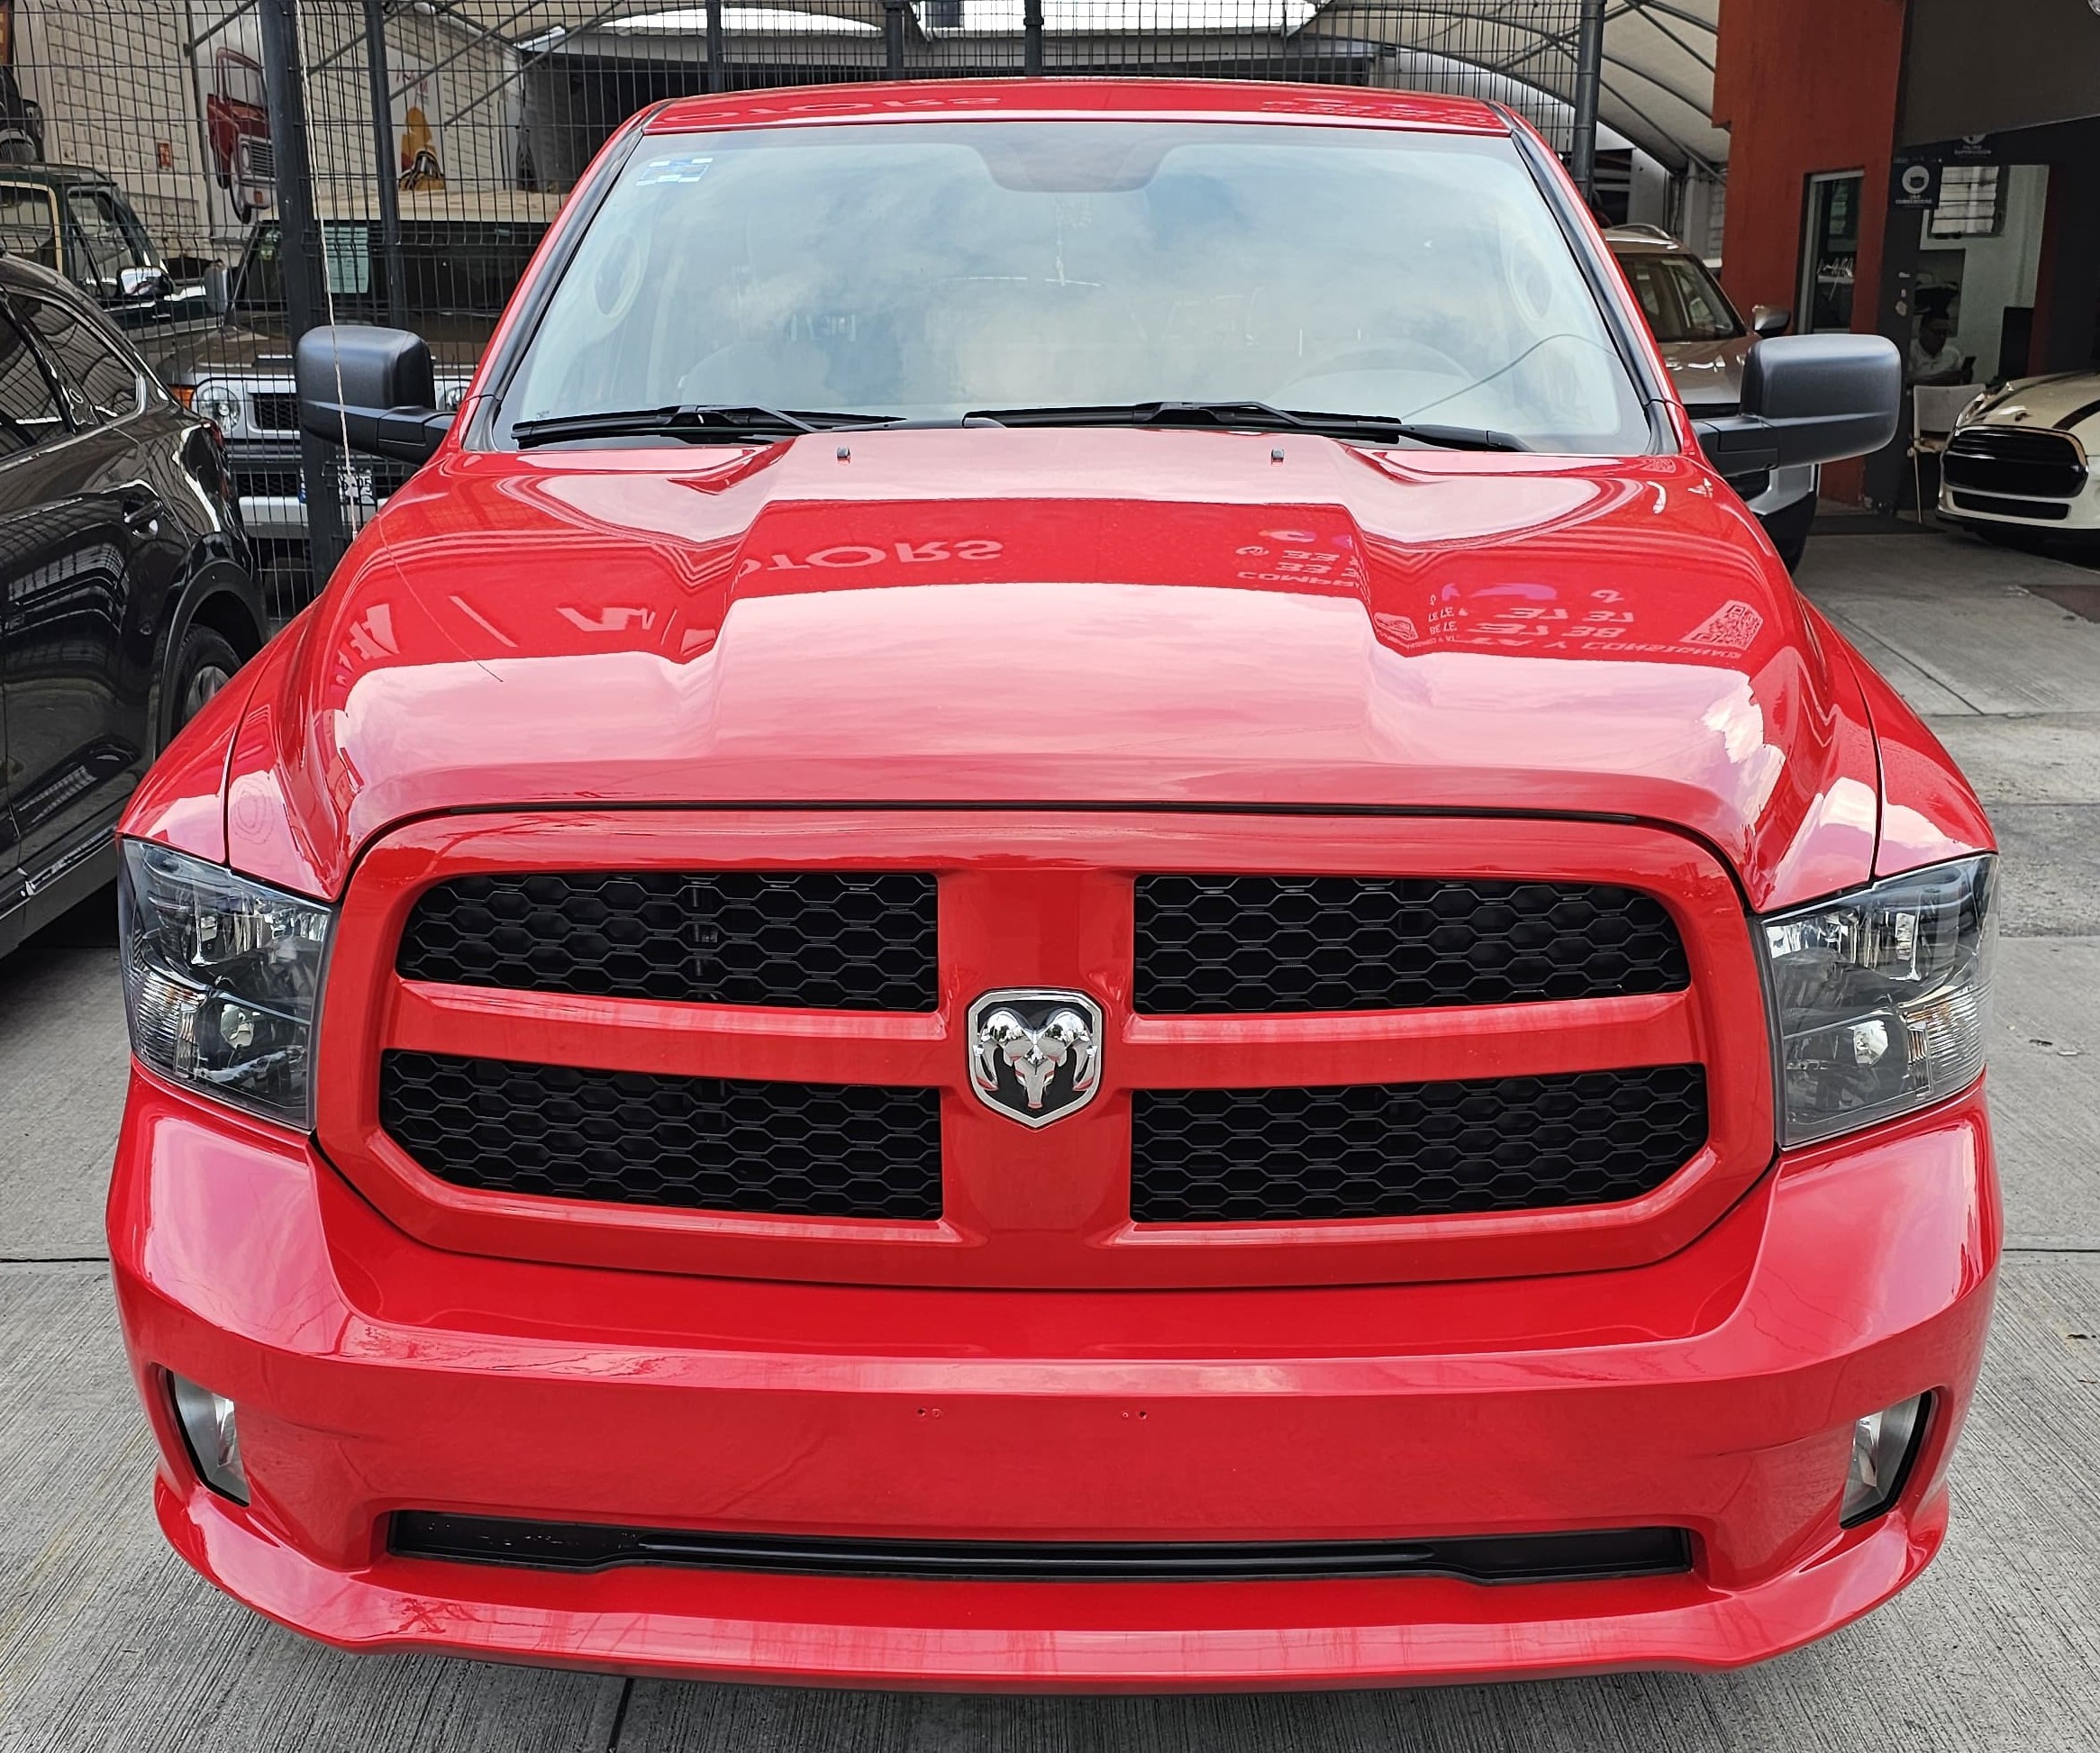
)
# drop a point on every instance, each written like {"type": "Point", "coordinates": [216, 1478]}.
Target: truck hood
{"type": "Point", "coordinates": [1079, 616]}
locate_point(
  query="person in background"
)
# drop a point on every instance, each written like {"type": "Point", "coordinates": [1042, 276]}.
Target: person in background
{"type": "Point", "coordinates": [1934, 358]}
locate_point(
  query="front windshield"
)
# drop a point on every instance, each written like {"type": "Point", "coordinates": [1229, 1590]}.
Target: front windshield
{"type": "Point", "coordinates": [928, 270]}
{"type": "Point", "coordinates": [1680, 299]}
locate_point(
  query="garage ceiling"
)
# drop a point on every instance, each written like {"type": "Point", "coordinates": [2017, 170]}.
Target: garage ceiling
{"type": "Point", "coordinates": [1659, 54]}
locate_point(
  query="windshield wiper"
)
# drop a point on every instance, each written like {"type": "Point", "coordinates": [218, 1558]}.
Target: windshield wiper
{"type": "Point", "coordinates": [697, 423]}
{"type": "Point", "coordinates": [1257, 417]}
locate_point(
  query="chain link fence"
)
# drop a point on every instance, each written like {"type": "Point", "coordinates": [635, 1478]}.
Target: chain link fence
{"type": "Point", "coordinates": [441, 136]}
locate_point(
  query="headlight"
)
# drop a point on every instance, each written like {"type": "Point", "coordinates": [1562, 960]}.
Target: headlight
{"type": "Point", "coordinates": [1882, 999]}
{"type": "Point", "coordinates": [221, 980]}
{"type": "Point", "coordinates": [218, 402]}
{"type": "Point", "coordinates": [449, 396]}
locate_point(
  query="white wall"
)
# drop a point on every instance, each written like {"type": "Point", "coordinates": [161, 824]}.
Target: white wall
{"type": "Point", "coordinates": [1649, 197]}
{"type": "Point", "coordinates": [1703, 213]}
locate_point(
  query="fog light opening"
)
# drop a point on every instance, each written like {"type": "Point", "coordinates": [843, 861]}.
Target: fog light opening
{"type": "Point", "coordinates": [213, 1433]}
{"type": "Point", "coordinates": [1883, 1445]}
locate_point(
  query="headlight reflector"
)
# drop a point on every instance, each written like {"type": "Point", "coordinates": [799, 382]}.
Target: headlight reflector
{"type": "Point", "coordinates": [221, 980]}
{"type": "Point", "coordinates": [1882, 998]}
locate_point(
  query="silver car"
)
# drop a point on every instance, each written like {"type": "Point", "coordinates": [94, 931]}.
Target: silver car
{"type": "Point", "coordinates": [1704, 343]}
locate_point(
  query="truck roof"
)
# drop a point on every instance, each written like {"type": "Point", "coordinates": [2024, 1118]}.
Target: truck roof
{"type": "Point", "coordinates": [1225, 100]}
{"type": "Point", "coordinates": [56, 175]}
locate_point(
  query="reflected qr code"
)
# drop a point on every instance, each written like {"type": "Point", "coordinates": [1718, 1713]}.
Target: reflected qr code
{"type": "Point", "coordinates": [1733, 625]}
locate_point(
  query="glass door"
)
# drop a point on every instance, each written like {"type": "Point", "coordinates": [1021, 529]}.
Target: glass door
{"type": "Point", "coordinates": [1832, 251]}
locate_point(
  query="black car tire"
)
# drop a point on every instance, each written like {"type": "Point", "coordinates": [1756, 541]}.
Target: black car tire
{"type": "Point", "coordinates": [207, 662]}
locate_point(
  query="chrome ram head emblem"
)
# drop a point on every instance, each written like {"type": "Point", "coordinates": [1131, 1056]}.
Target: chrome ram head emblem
{"type": "Point", "coordinates": [1035, 1055]}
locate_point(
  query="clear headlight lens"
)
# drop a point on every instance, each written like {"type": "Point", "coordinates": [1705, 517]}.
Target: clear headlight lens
{"type": "Point", "coordinates": [1883, 998]}
{"type": "Point", "coordinates": [221, 980]}
{"type": "Point", "coordinates": [218, 402]}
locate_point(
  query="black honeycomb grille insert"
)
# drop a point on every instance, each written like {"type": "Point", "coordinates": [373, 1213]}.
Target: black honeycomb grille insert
{"type": "Point", "coordinates": [817, 940]}
{"type": "Point", "coordinates": [629, 1138]}
{"type": "Point", "coordinates": [1502, 1144]}
{"type": "Point", "coordinates": [1219, 945]}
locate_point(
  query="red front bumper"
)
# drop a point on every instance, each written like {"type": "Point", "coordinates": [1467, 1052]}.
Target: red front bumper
{"type": "Point", "coordinates": [1714, 1391]}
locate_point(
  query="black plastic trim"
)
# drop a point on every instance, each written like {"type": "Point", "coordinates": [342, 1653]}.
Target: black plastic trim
{"type": "Point", "coordinates": [1588, 1556]}
{"type": "Point", "coordinates": [1998, 504]}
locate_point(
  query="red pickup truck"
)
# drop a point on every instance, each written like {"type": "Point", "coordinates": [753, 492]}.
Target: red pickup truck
{"type": "Point", "coordinates": [1070, 906]}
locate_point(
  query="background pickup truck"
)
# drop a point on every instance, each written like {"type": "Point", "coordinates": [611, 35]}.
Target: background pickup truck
{"type": "Point", "coordinates": [462, 252]}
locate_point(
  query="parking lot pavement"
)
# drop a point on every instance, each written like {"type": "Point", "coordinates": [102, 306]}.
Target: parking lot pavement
{"type": "Point", "coordinates": [107, 1642]}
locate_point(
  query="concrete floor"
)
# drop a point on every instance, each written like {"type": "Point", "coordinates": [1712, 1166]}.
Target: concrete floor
{"type": "Point", "coordinates": [107, 1641]}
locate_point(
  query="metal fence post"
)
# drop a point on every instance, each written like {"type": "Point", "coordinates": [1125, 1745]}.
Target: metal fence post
{"type": "Point", "coordinates": [893, 38]}
{"type": "Point", "coordinates": [1589, 77]}
{"type": "Point", "coordinates": [1031, 37]}
{"type": "Point", "coordinates": [717, 74]}
{"type": "Point", "coordinates": [299, 258]}
{"type": "Point", "coordinates": [389, 167]}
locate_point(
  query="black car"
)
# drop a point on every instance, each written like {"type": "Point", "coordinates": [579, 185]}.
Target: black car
{"type": "Point", "coordinates": [127, 596]}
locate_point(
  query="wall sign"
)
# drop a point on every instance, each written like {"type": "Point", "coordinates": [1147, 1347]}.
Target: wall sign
{"type": "Point", "coordinates": [1916, 181]}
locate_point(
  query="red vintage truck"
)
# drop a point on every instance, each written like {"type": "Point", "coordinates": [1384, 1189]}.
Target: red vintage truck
{"type": "Point", "coordinates": [1071, 905]}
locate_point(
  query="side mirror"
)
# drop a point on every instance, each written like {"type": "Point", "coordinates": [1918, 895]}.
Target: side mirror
{"type": "Point", "coordinates": [218, 289]}
{"type": "Point", "coordinates": [1808, 399]}
{"type": "Point", "coordinates": [1769, 320]}
{"type": "Point", "coordinates": [137, 286]}
{"type": "Point", "coordinates": [386, 402]}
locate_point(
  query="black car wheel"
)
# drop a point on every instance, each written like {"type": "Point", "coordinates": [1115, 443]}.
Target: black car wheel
{"type": "Point", "coordinates": [204, 666]}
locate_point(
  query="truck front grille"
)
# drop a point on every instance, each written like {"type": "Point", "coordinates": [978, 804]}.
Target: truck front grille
{"type": "Point", "coordinates": [825, 940]}
{"type": "Point", "coordinates": [630, 1138]}
{"type": "Point", "coordinates": [1218, 945]}
{"type": "Point", "coordinates": [1231, 1156]}
{"type": "Point", "coordinates": [273, 411]}
{"type": "Point", "coordinates": [1326, 1048]}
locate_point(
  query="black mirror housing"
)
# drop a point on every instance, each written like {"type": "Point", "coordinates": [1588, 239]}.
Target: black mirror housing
{"type": "Point", "coordinates": [376, 385]}
{"type": "Point", "coordinates": [1808, 399]}
{"type": "Point", "coordinates": [139, 286]}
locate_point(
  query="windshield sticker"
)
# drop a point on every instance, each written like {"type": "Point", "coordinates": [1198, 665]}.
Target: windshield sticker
{"type": "Point", "coordinates": [687, 167]}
